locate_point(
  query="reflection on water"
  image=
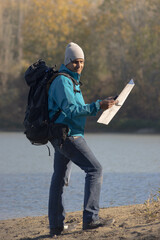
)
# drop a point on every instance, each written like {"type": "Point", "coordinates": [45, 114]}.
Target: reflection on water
{"type": "Point", "coordinates": [130, 163]}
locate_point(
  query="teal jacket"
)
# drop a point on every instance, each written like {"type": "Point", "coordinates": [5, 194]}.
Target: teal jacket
{"type": "Point", "coordinates": [73, 108]}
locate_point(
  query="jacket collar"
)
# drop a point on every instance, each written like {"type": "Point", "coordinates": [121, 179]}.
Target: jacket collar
{"type": "Point", "coordinates": [75, 75]}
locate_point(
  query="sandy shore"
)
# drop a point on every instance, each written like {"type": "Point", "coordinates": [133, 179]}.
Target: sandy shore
{"type": "Point", "coordinates": [130, 222]}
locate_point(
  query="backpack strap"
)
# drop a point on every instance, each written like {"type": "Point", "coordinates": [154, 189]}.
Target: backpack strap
{"type": "Point", "coordinates": [72, 79]}
{"type": "Point", "coordinates": [66, 75]}
{"type": "Point", "coordinates": [56, 115]}
{"type": "Point", "coordinates": [75, 90]}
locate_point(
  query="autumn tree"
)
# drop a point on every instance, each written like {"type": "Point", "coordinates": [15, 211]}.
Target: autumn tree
{"type": "Point", "coordinates": [120, 40]}
{"type": "Point", "coordinates": [56, 23]}
{"type": "Point", "coordinates": [11, 17]}
{"type": "Point", "coordinates": [130, 32]}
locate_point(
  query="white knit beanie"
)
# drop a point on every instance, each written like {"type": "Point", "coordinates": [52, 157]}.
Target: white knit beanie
{"type": "Point", "coordinates": [73, 51]}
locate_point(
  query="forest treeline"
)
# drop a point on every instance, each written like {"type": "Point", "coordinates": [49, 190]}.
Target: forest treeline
{"type": "Point", "coordinates": [121, 40]}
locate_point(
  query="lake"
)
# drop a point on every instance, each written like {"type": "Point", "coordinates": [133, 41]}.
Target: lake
{"type": "Point", "coordinates": [131, 173]}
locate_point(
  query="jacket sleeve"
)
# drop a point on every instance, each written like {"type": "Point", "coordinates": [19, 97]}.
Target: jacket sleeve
{"type": "Point", "coordinates": [61, 91]}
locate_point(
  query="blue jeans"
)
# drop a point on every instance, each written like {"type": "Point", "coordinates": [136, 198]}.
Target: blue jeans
{"type": "Point", "coordinates": [74, 149]}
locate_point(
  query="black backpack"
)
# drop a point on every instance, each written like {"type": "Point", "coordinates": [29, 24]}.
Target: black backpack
{"type": "Point", "coordinates": [38, 128]}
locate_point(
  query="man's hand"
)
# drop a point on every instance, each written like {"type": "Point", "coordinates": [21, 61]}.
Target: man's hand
{"type": "Point", "coordinates": [108, 103]}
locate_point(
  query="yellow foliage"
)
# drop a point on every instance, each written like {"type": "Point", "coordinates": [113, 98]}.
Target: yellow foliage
{"type": "Point", "coordinates": [52, 22]}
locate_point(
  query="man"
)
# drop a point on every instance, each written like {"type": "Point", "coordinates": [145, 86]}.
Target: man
{"type": "Point", "coordinates": [67, 97]}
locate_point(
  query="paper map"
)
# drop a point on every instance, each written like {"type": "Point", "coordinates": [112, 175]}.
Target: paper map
{"type": "Point", "coordinates": [108, 114]}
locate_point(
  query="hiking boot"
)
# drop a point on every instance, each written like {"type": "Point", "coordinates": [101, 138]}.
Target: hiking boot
{"type": "Point", "coordinates": [94, 224]}
{"type": "Point", "coordinates": [59, 230]}
{"type": "Point", "coordinates": [56, 231]}
{"type": "Point", "coordinates": [98, 223]}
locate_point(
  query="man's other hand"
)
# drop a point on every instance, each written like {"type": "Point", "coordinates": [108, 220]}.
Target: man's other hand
{"type": "Point", "coordinates": [108, 103]}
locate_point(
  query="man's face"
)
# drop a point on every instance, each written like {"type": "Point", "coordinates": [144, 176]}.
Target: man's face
{"type": "Point", "coordinates": [76, 65]}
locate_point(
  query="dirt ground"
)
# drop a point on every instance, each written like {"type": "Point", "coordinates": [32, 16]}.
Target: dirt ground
{"type": "Point", "coordinates": [135, 222]}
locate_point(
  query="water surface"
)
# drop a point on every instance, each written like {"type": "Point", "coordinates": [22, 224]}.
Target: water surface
{"type": "Point", "coordinates": [131, 168]}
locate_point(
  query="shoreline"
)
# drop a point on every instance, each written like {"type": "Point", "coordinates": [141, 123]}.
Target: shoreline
{"type": "Point", "coordinates": [132, 222]}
